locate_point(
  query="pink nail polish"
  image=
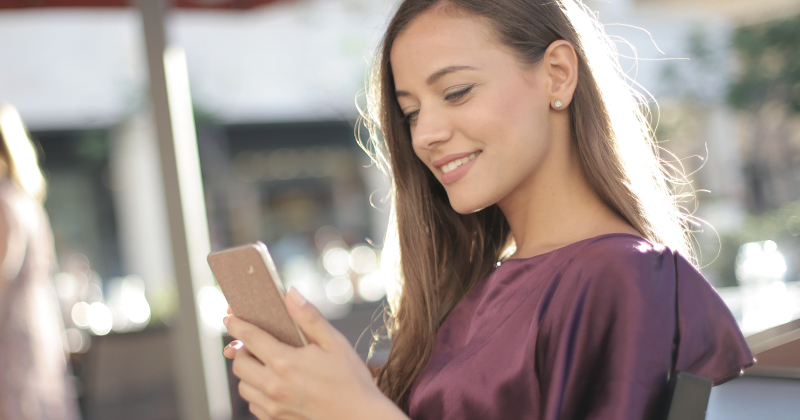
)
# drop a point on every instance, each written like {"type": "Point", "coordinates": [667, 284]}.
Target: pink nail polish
{"type": "Point", "coordinates": [236, 344]}
{"type": "Point", "coordinates": [296, 297]}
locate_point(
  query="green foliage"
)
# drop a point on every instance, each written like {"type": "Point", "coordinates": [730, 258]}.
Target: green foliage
{"type": "Point", "coordinates": [92, 146]}
{"type": "Point", "coordinates": [723, 254]}
{"type": "Point", "coordinates": [780, 225]}
{"type": "Point", "coordinates": [699, 48]}
{"type": "Point", "coordinates": [770, 65]}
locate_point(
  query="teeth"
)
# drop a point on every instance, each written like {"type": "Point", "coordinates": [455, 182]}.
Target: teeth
{"type": "Point", "coordinates": [458, 162]}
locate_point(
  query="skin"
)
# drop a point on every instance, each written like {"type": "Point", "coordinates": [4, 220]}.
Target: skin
{"type": "Point", "coordinates": [488, 103]}
{"type": "Point", "coordinates": [528, 164]}
{"type": "Point", "coordinates": [324, 380]}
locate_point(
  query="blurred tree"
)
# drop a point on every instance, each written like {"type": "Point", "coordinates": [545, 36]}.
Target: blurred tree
{"type": "Point", "coordinates": [770, 66]}
{"type": "Point", "coordinates": [767, 90]}
{"type": "Point", "coordinates": [693, 90]}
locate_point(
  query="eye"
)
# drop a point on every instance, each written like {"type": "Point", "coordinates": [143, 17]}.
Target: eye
{"type": "Point", "coordinates": [459, 94]}
{"type": "Point", "coordinates": [411, 117]}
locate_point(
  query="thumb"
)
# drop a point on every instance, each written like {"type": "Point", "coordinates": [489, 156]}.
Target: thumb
{"type": "Point", "coordinates": [315, 327]}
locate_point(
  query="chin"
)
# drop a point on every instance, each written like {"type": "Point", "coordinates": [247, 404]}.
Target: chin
{"type": "Point", "coordinates": [463, 205]}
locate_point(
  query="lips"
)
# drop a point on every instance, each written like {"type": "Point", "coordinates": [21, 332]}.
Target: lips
{"type": "Point", "coordinates": [455, 166]}
{"type": "Point", "coordinates": [456, 163]}
{"type": "Point", "coordinates": [439, 163]}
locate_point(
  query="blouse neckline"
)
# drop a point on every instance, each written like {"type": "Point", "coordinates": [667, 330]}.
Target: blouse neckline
{"type": "Point", "coordinates": [568, 246]}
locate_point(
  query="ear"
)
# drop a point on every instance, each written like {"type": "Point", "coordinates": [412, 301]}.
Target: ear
{"type": "Point", "coordinates": [561, 64]}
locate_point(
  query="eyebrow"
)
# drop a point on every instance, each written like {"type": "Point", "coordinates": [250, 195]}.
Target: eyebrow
{"type": "Point", "coordinates": [436, 76]}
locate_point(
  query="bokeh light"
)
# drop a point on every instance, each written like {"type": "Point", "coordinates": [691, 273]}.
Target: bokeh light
{"type": "Point", "coordinates": [336, 261]}
{"type": "Point", "coordinates": [371, 287]}
{"type": "Point", "coordinates": [80, 314]}
{"type": "Point", "coordinates": [127, 302]}
{"type": "Point", "coordinates": [100, 318]}
{"type": "Point", "coordinates": [363, 259]}
{"type": "Point", "coordinates": [339, 290]}
{"type": "Point", "coordinates": [77, 340]}
{"type": "Point", "coordinates": [760, 262]}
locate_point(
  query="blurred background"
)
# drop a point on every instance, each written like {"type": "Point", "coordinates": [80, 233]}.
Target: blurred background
{"type": "Point", "coordinates": [264, 149]}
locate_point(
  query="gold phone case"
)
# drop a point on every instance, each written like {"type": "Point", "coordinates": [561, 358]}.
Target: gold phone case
{"type": "Point", "coordinates": [250, 283]}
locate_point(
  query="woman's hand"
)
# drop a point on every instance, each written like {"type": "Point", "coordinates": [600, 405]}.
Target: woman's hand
{"type": "Point", "coordinates": [324, 380]}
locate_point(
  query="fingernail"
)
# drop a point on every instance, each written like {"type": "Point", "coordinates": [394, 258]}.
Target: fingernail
{"type": "Point", "coordinates": [225, 320]}
{"type": "Point", "coordinates": [235, 344]}
{"type": "Point", "coordinates": [296, 297]}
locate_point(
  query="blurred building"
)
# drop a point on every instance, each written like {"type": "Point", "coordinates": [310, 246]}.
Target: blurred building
{"type": "Point", "coordinates": [274, 93]}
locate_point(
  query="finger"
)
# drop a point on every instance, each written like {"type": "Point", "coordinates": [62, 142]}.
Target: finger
{"type": "Point", "coordinates": [259, 412]}
{"type": "Point", "coordinates": [259, 342]}
{"type": "Point", "coordinates": [310, 320]}
{"type": "Point", "coordinates": [230, 310]}
{"type": "Point", "coordinates": [249, 369]}
{"type": "Point", "coordinates": [230, 350]}
{"type": "Point", "coordinates": [268, 382]}
{"type": "Point", "coordinates": [258, 401]}
{"type": "Point", "coordinates": [263, 405]}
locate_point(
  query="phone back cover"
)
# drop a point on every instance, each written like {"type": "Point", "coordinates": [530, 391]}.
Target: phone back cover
{"type": "Point", "coordinates": [247, 284]}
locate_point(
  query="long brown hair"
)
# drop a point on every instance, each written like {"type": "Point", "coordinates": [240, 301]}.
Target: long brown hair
{"type": "Point", "coordinates": [442, 253]}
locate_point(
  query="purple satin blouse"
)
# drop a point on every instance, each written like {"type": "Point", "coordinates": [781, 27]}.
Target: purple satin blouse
{"type": "Point", "coordinates": [588, 331]}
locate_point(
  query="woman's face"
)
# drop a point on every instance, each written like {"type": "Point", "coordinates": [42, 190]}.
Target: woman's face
{"type": "Point", "coordinates": [479, 119]}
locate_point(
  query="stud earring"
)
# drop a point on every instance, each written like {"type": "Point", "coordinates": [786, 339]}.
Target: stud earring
{"type": "Point", "coordinates": [558, 103]}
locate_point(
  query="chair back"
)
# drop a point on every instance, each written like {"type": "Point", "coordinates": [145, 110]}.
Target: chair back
{"type": "Point", "coordinates": [689, 400]}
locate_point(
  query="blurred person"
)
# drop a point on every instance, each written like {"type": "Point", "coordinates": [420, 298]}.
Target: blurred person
{"type": "Point", "coordinates": [546, 267]}
{"type": "Point", "coordinates": [35, 381]}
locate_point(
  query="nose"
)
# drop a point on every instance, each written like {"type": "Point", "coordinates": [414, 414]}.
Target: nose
{"type": "Point", "coordinates": [430, 129]}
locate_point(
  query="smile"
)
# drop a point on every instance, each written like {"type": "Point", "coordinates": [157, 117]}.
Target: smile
{"type": "Point", "coordinates": [458, 162]}
{"type": "Point", "coordinates": [456, 166]}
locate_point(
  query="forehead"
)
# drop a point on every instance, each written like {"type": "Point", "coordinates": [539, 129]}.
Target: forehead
{"type": "Point", "coordinates": [438, 39]}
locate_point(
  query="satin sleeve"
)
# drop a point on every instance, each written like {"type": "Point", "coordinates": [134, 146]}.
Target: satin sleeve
{"type": "Point", "coordinates": [619, 322]}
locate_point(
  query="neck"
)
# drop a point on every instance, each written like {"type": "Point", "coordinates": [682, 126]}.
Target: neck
{"type": "Point", "coordinates": [557, 207]}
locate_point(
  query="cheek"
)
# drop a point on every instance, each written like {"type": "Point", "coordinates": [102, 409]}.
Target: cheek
{"type": "Point", "coordinates": [515, 118]}
{"type": "Point", "coordinates": [521, 105]}
{"type": "Point", "coordinates": [419, 152]}
{"type": "Point", "coordinates": [423, 155]}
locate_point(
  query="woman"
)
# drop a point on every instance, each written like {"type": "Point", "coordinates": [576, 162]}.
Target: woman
{"type": "Point", "coordinates": [530, 210]}
{"type": "Point", "coordinates": [35, 384]}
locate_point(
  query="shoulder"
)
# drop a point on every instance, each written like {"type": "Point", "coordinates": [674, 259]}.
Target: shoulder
{"type": "Point", "coordinates": [621, 269]}
{"type": "Point", "coordinates": [615, 294]}
{"type": "Point", "coordinates": [622, 256]}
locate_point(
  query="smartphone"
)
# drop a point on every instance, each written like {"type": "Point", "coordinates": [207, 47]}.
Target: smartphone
{"type": "Point", "coordinates": [250, 283]}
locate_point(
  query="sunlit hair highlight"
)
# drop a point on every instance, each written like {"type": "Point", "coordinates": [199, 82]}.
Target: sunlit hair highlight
{"type": "Point", "coordinates": [436, 255]}
{"type": "Point", "coordinates": [19, 155]}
